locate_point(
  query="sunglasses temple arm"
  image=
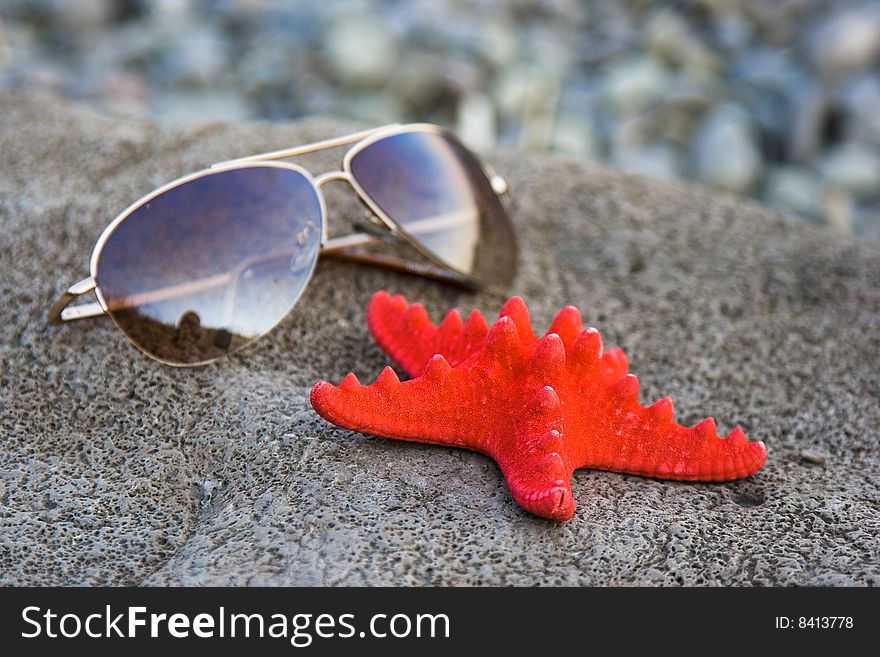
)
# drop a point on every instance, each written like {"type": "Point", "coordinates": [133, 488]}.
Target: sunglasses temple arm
{"type": "Point", "coordinates": [59, 312]}
{"type": "Point", "coordinates": [336, 245]}
{"type": "Point", "coordinates": [339, 248]}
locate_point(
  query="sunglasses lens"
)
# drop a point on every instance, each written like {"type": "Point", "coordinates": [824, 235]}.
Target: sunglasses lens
{"type": "Point", "coordinates": [211, 264]}
{"type": "Point", "coordinates": [437, 191]}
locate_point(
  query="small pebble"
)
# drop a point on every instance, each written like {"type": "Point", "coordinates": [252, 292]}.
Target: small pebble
{"type": "Point", "coordinates": [860, 99]}
{"type": "Point", "coordinates": [669, 36]}
{"type": "Point", "coordinates": [837, 209]}
{"type": "Point", "coordinates": [361, 52]}
{"type": "Point", "coordinates": [793, 189]}
{"type": "Point", "coordinates": [5, 47]}
{"type": "Point", "coordinates": [476, 121]}
{"type": "Point", "coordinates": [657, 161]}
{"type": "Point", "coordinates": [812, 456]}
{"type": "Point", "coordinates": [726, 154]}
{"type": "Point", "coordinates": [633, 85]}
{"type": "Point", "coordinates": [849, 40]}
{"type": "Point", "coordinates": [574, 134]}
{"type": "Point", "coordinates": [853, 167]}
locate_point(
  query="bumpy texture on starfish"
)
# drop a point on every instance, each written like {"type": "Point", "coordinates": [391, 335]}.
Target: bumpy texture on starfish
{"type": "Point", "coordinates": [541, 408]}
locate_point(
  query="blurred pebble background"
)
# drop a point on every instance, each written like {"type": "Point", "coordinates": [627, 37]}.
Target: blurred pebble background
{"type": "Point", "coordinates": [776, 99]}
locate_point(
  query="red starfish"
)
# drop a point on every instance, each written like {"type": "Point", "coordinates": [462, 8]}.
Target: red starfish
{"type": "Point", "coordinates": [541, 408]}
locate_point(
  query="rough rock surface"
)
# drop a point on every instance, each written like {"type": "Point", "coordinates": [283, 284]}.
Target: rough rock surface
{"type": "Point", "coordinates": [116, 469]}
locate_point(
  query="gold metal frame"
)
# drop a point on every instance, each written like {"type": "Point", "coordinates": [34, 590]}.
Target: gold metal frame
{"type": "Point", "coordinates": [337, 247]}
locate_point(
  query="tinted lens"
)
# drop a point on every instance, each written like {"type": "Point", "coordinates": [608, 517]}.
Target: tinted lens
{"type": "Point", "coordinates": [211, 264]}
{"type": "Point", "coordinates": [437, 191]}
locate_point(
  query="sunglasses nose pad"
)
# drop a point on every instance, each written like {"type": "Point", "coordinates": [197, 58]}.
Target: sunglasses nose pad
{"type": "Point", "coordinates": [303, 256]}
{"type": "Point", "coordinates": [258, 281]}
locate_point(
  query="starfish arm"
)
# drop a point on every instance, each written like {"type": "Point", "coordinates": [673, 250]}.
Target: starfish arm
{"type": "Point", "coordinates": [536, 465]}
{"type": "Point", "coordinates": [442, 407]}
{"type": "Point", "coordinates": [406, 333]}
{"type": "Point", "coordinates": [543, 488]}
{"type": "Point", "coordinates": [648, 442]}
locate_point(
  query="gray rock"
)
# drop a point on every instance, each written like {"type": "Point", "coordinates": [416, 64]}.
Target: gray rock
{"type": "Point", "coordinates": [476, 121]}
{"type": "Point", "coordinates": [198, 58]}
{"type": "Point", "coordinates": [375, 108]}
{"type": "Point", "coordinates": [793, 189]}
{"type": "Point", "coordinates": [811, 456]}
{"type": "Point", "coordinates": [540, 106]}
{"type": "Point", "coordinates": [5, 47]}
{"type": "Point", "coordinates": [172, 14]}
{"type": "Point", "coordinates": [657, 160]}
{"type": "Point", "coordinates": [811, 108]}
{"type": "Point", "coordinates": [551, 49]}
{"type": "Point", "coordinates": [463, 74]}
{"type": "Point", "coordinates": [575, 134]}
{"type": "Point", "coordinates": [499, 43]}
{"type": "Point", "coordinates": [776, 68]}
{"type": "Point", "coordinates": [676, 119]}
{"type": "Point", "coordinates": [837, 209]}
{"type": "Point", "coordinates": [726, 154]}
{"type": "Point", "coordinates": [733, 30]}
{"type": "Point", "coordinates": [82, 15]}
{"type": "Point", "coordinates": [195, 106]}
{"type": "Point", "coordinates": [360, 51]}
{"type": "Point", "coordinates": [777, 22]}
{"type": "Point", "coordinates": [855, 168]}
{"type": "Point", "coordinates": [420, 82]}
{"type": "Point", "coordinates": [269, 69]}
{"type": "Point", "coordinates": [861, 99]}
{"type": "Point", "coordinates": [782, 98]}
{"type": "Point", "coordinates": [115, 469]}
{"type": "Point", "coordinates": [518, 87]}
{"type": "Point", "coordinates": [848, 40]}
{"type": "Point", "coordinates": [669, 36]}
{"type": "Point", "coordinates": [866, 221]}
{"type": "Point", "coordinates": [635, 84]}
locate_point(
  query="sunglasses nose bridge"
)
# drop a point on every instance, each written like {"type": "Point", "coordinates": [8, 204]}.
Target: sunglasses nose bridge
{"type": "Point", "coordinates": [332, 176]}
{"type": "Point", "coordinates": [319, 182]}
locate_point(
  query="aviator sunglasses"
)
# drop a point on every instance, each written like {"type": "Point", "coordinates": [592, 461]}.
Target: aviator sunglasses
{"type": "Point", "coordinates": [210, 262]}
